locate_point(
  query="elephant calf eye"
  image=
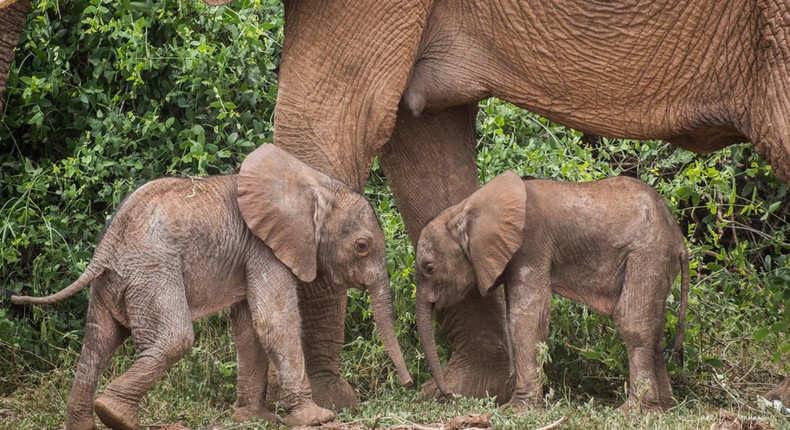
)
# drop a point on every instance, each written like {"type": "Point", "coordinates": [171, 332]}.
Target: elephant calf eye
{"type": "Point", "coordinates": [428, 268]}
{"type": "Point", "coordinates": [361, 246]}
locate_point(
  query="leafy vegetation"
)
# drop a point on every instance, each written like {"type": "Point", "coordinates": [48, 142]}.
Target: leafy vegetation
{"type": "Point", "coordinates": [106, 95]}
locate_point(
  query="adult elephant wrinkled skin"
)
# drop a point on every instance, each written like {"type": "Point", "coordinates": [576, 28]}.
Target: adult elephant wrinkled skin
{"type": "Point", "coordinates": [701, 75]}
{"type": "Point", "coordinates": [401, 80]}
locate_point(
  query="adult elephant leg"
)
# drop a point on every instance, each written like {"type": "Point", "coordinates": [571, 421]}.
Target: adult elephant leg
{"type": "Point", "coordinates": [12, 20]}
{"type": "Point", "coordinates": [430, 162]}
{"type": "Point", "coordinates": [336, 106]}
{"type": "Point", "coordinates": [770, 122]}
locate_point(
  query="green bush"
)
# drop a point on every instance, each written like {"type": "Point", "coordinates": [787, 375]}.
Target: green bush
{"type": "Point", "coordinates": [106, 95]}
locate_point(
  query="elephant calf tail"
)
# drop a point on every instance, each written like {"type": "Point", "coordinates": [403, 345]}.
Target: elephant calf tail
{"type": "Point", "coordinates": [91, 273]}
{"type": "Point", "coordinates": [675, 346]}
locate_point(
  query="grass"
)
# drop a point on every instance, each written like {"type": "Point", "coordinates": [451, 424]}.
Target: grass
{"type": "Point", "coordinates": [736, 344]}
{"type": "Point", "coordinates": [198, 393]}
{"type": "Point", "coordinates": [42, 405]}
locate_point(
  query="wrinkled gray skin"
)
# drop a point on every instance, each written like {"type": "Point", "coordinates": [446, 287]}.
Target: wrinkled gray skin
{"type": "Point", "coordinates": [179, 249]}
{"type": "Point", "coordinates": [611, 244]}
{"type": "Point", "coordinates": [701, 75]}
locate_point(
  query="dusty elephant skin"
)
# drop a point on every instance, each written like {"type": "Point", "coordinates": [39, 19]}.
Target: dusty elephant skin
{"type": "Point", "coordinates": [179, 249]}
{"type": "Point", "coordinates": [611, 244]}
{"type": "Point", "coordinates": [702, 75]}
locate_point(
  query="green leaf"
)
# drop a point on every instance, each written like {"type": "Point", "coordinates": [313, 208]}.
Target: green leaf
{"type": "Point", "coordinates": [771, 209]}
{"type": "Point", "coordinates": [779, 327]}
{"type": "Point", "coordinates": [714, 362]}
{"type": "Point", "coordinates": [761, 333]}
{"type": "Point", "coordinates": [594, 355]}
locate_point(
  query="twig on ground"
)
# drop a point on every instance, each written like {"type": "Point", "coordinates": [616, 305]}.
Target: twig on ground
{"type": "Point", "coordinates": [555, 424]}
{"type": "Point", "coordinates": [416, 426]}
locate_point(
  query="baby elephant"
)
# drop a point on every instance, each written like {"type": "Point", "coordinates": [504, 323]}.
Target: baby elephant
{"type": "Point", "coordinates": [611, 244]}
{"type": "Point", "coordinates": [181, 249]}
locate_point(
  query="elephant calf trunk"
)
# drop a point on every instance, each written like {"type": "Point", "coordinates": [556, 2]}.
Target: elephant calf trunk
{"type": "Point", "coordinates": [424, 317]}
{"type": "Point", "coordinates": [380, 300]}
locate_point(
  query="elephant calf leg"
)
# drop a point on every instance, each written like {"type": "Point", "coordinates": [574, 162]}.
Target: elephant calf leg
{"type": "Point", "coordinates": [323, 310]}
{"type": "Point", "coordinates": [643, 391]}
{"type": "Point", "coordinates": [648, 382]}
{"type": "Point", "coordinates": [280, 335]}
{"type": "Point", "coordinates": [102, 336]}
{"type": "Point", "coordinates": [528, 314]}
{"type": "Point", "coordinates": [665, 388]}
{"type": "Point", "coordinates": [253, 365]}
{"type": "Point", "coordinates": [161, 327]}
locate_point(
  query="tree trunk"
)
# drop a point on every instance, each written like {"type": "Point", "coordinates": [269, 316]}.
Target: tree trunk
{"type": "Point", "coordinates": [12, 21]}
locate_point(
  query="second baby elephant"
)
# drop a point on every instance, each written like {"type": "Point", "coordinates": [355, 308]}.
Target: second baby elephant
{"type": "Point", "coordinates": [179, 249]}
{"type": "Point", "coordinates": [611, 244]}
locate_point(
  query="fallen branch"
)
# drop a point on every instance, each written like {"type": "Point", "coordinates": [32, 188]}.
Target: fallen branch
{"type": "Point", "coordinates": [555, 424]}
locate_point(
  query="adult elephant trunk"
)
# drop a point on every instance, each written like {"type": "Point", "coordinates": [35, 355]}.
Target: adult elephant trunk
{"type": "Point", "coordinates": [428, 341]}
{"type": "Point", "coordinates": [381, 301]}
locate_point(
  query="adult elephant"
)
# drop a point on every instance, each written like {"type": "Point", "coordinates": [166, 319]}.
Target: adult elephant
{"type": "Point", "coordinates": [401, 80]}
{"type": "Point", "coordinates": [702, 75]}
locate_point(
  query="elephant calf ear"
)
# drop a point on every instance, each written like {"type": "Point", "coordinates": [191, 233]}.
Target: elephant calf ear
{"type": "Point", "coordinates": [491, 227]}
{"type": "Point", "coordinates": [279, 201]}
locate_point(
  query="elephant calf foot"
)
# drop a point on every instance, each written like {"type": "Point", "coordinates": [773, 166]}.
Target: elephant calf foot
{"type": "Point", "coordinates": [81, 424]}
{"type": "Point", "coordinates": [249, 412]}
{"type": "Point", "coordinates": [116, 413]}
{"type": "Point", "coordinates": [308, 414]}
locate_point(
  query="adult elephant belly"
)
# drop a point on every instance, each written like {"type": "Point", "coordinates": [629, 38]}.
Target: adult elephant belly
{"type": "Point", "coordinates": [666, 70]}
